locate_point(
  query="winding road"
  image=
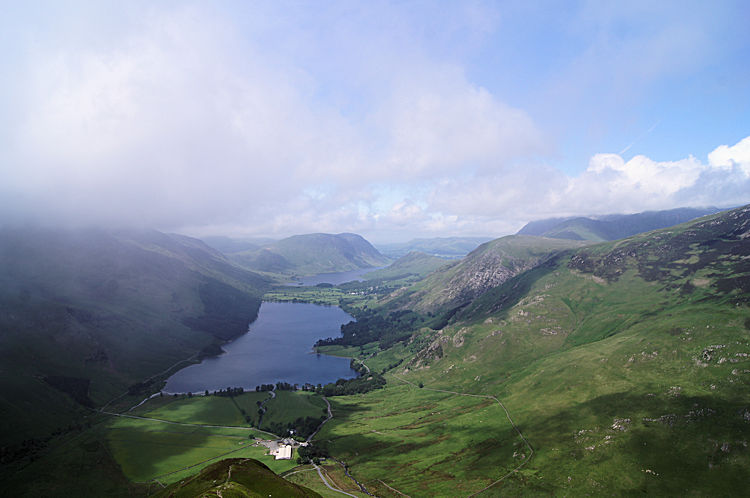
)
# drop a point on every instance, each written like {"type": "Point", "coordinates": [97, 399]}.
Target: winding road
{"type": "Point", "coordinates": [330, 416]}
{"type": "Point", "coordinates": [325, 481]}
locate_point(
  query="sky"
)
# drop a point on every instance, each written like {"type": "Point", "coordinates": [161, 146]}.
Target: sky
{"type": "Point", "coordinates": [394, 120]}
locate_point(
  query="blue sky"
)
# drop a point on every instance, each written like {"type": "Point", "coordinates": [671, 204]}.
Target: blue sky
{"type": "Point", "coordinates": [390, 119]}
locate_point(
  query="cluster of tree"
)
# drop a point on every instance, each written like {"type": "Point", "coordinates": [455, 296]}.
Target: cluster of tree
{"type": "Point", "coordinates": [311, 453]}
{"type": "Point", "coordinates": [286, 386]}
{"type": "Point", "coordinates": [378, 287]}
{"type": "Point", "coordinates": [392, 365]}
{"type": "Point", "coordinates": [344, 387]}
{"type": "Point", "coordinates": [387, 328]}
{"type": "Point", "coordinates": [230, 391]}
{"type": "Point", "coordinates": [358, 367]}
{"type": "Point", "coordinates": [301, 427]}
{"type": "Point", "coordinates": [280, 386]}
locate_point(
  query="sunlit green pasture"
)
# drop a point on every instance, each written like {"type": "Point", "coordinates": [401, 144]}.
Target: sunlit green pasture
{"type": "Point", "coordinates": [330, 296]}
{"type": "Point", "coordinates": [422, 442]}
{"type": "Point", "coordinates": [173, 441]}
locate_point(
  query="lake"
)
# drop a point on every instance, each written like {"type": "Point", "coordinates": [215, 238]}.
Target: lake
{"type": "Point", "coordinates": [277, 347]}
{"type": "Point", "coordinates": [334, 278]}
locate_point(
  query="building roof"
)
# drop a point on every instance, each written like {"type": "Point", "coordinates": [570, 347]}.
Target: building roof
{"type": "Point", "coordinates": [284, 452]}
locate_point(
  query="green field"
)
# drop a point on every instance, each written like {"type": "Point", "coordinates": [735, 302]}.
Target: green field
{"type": "Point", "coordinates": [327, 296]}
{"type": "Point", "coordinates": [422, 442]}
{"type": "Point", "coordinates": [287, 406]}
{"type": "Point", "coordinates": [618, 386]}
{"type": "Point", "coordinates": [173, 440]}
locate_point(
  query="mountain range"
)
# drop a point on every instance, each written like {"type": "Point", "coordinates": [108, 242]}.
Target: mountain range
{"type": "Point", "coordinates": [534, 365]}
{"type": "Point", "coordinates": [613, 226]}
{"type": "Point", "coordinates": [621, 367]}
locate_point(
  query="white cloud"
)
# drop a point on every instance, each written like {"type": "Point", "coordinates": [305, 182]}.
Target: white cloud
{"type": "Point", "coordinates": [441, 121]}
{"type": "Point", "coordinates": [610, 184]}
{"type": "Point", "coordinates": [726, 157]}
{"type": "Point", "coordinates": [185, 118]}
{"type": "Point", "coordinates": [640, 177]}
{"type": "Point", "coordinates": [173, 125]}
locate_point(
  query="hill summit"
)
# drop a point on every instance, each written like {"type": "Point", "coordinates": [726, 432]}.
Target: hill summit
{"type": "Point", "coordinates": [612, 226]}
{"type": "Point", "coordinates": [312, 253]}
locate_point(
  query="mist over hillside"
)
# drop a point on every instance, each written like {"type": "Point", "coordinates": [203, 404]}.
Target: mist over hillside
{"type": "Point", "coordinates": [88, 314]}
{"type": "Point", "coordinates": [395, 248]}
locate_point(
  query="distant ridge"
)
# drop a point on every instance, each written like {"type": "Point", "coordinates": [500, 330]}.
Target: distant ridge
{"type": "Point", "coordinates": [310, 254]}
{"type": "Point", "coordinates": [442, 247]}
{"type": "Point", "coordinates": [613, 226]}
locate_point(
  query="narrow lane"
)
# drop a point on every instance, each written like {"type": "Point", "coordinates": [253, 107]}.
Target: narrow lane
{"type": "Point", "coordinates": [325, 481]}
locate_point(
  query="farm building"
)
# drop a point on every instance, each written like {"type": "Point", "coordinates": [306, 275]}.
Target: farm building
{"type": "Point", "coordinates": [283, 452]}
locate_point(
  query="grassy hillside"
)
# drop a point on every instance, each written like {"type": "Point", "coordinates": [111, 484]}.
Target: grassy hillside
{"type": "Point", "coordinates": [311, 254]}
{"type": "Point", "coordinates": [611, 227]}
{"type": "Point", "coordinates": [487, 266]}
{"type": "Point", "coordinates": [625, 366]}
{"type": "Point", "coordinates": [413, 264]}
{"type": "Point", "coordinates": [236, 477]}
{"type": "Point", "coordinates": [89, 315]}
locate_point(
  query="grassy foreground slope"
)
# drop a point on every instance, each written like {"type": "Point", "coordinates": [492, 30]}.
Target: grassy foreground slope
{"type": "Point", "coordinates": [236, 477]}
{"type": "Point", "coordinates": [625, 365]}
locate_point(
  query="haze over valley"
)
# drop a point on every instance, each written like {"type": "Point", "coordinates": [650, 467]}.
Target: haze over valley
{"type": "Point", "coordinates": [478, 248]}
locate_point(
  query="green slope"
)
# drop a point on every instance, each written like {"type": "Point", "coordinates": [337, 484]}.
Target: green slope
{"type": "Point", "coordinates": [236, 477]}
{"type": "Point", "coordinates": [86, 315]}
{"type": "Point", "coordinates": [413, 264]}
{"type": "Point", "coordinates": [484, 268]}
{"type": "Point", "coordinates": [625, 365]}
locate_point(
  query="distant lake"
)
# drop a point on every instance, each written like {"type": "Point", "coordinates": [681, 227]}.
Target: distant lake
{"type": "Point", "coordinates": [277, 347]}
{"type": "Point", "coordinates": [334, 278]}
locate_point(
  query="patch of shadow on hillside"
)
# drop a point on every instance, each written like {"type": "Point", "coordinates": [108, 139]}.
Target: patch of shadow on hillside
{"type": "Point", "coordinates": [695, 443]}
{"type": "Point", "coordinates": [146, 446]}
